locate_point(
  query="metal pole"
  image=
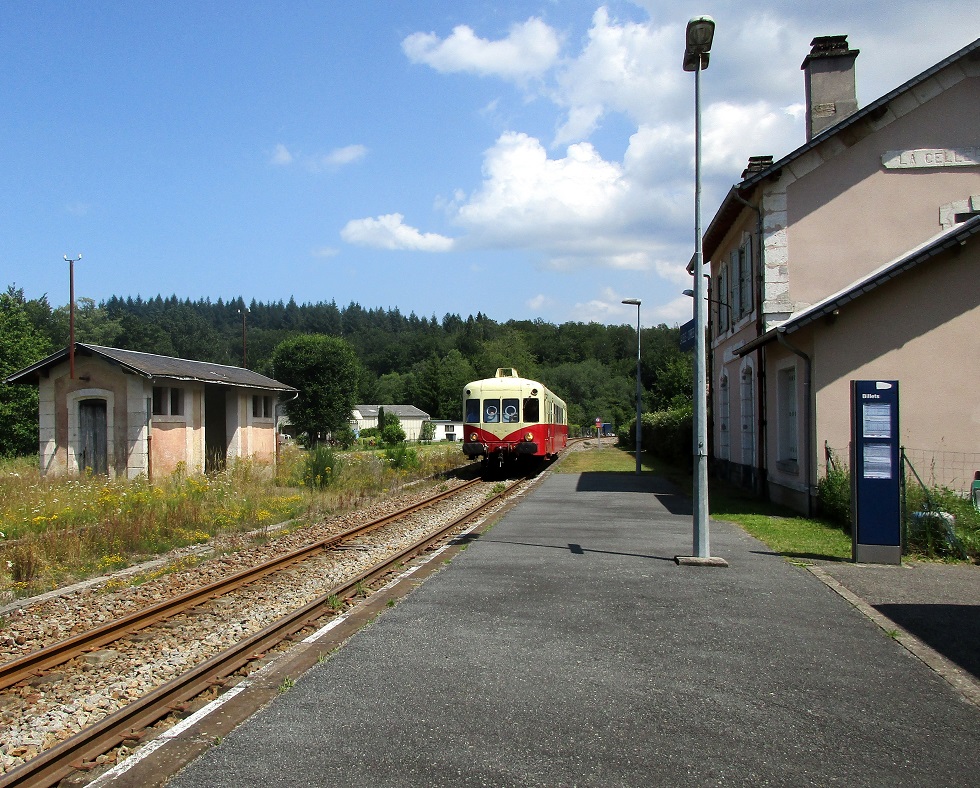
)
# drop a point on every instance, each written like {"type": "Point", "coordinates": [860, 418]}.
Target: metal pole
{"type": "Point", "coordinates": [701, 540]}
{"type": "Point", "coordinates": [639, 392]}
{"type": "Point", "coordinates": [244, 345]}
{"type": "Point", "coordinates": [639, 387]}
{"type": "Point", "coordinates": [71, 313]}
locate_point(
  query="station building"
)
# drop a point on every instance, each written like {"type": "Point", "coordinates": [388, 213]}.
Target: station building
{"type": "Point", "coordinates": [854, 257]}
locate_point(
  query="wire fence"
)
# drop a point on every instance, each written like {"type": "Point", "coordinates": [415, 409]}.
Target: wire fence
{"type": "Point", "coordinates": [952, 470]}
{"type": "Point", "coordinates": [940, 499]}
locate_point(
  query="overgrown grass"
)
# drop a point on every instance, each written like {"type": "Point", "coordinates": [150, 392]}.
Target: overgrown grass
{"type": "Point", "coordinates": [56, 530]}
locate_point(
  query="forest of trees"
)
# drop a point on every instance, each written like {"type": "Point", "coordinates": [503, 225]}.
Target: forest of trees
{"type": "Point", "coordinates": [403, 359]}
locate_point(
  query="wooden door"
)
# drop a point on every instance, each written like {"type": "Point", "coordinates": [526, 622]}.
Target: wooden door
{"type": "Point", "coordinates": [93, 454]}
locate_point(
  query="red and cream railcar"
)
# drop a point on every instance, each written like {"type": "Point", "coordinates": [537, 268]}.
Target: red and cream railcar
{"type": "Point", "coordinates": [508, 417]}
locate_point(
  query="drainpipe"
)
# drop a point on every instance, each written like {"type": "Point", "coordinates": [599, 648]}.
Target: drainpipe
{"type": "Point", "coordinates": [149, 439]}
{"type": "Point", "coordinates": [762, 452]}
{"type": "Point", "coordinates": [807, 414]}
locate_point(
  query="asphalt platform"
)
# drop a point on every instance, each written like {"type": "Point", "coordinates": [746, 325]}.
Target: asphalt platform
{"type": "Point", "coordinates": [565, 647]}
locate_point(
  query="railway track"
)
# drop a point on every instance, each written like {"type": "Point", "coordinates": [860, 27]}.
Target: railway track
{"type": "Point", "coordinates": [36, 663]}
{"type": "Point", "coordinates": [130, 723]}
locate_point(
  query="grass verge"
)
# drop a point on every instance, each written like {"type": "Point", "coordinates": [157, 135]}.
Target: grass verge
{"type": "Point", "coordinates": [782, 530]}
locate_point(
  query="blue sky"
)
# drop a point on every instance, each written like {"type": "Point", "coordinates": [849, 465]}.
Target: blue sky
{"type": "Point", "coordinates": [524, 159]}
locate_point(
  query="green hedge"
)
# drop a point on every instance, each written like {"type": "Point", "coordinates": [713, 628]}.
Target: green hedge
{"type": "Point", "coordinates": [665, 433]}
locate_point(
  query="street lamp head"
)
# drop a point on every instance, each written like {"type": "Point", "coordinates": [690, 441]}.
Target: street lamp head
{"type": "Point", "coordinates": [632, 301]}
{"type": "Point", "coordinates": [700, 33]}
{"type": "Point", "coordinates": [77, 258]}
{"type": "Point", "coordinates": [688, 293]}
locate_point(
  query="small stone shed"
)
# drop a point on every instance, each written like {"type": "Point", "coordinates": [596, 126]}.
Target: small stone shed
{"type": "Point", "coordinates": [126, 413]}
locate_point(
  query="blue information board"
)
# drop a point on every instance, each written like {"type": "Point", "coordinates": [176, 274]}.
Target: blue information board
{"type": "Point", "coordinates": [875, 472]}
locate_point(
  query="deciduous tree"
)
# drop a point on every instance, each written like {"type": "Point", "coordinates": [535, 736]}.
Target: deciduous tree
{"type": "Point", "coordinates": [325, 370]}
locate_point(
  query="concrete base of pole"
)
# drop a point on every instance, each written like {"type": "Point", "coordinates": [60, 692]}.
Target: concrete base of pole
{"type": "Point", "coordinates": [694, 560]}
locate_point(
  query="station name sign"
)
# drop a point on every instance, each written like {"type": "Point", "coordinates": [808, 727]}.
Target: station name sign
{"type": "Point", "coordinates": [921, 158]}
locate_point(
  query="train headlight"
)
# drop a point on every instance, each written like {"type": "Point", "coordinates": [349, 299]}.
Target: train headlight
{"type": "Point", "coordinates": [529, 436]}
{"type": "Point", "coordinates": [474, 437]}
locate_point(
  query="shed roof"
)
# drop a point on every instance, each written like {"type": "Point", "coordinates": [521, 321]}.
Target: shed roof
{"type": "Point", "coordinates": [154, 367]}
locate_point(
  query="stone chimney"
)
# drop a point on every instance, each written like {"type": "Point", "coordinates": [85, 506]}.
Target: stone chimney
{"type": "Point", "coordinates": [756, 164]}
{"type": "Point", "coordinates": [830, 91]}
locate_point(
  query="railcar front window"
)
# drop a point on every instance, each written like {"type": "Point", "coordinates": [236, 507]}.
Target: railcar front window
{"type": "Point", "coordinates": [531, 410]}
{"type": "Point", "coordinates": [511, 414]}
{"type": "Point", "coordinates": [472, 411]}
{"type": "Point", "coordinates": [491, 411]}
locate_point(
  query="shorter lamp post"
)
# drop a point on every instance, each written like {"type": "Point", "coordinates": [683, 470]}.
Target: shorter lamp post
{"type": "Point", "coordinates": [639, 387]}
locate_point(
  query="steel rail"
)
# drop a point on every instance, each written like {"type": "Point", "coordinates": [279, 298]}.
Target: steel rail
{"type": "Point", "coordinates": [37, 662]}
{"type": "Point", "coordinates": [129, 723]}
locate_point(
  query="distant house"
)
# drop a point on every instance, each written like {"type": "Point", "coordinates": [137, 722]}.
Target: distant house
{"type": "Point", "coordinates": [366, 416]}
{"type": "Point", "coordinates": [447, 430]}
{"type": "Point", "coordinates": [854, 257]}
{"type": "Point", "coordinates": [127, 413]}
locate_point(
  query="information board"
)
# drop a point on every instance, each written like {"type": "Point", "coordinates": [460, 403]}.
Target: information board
{"type": "Point", "coordinates": [875, 472]}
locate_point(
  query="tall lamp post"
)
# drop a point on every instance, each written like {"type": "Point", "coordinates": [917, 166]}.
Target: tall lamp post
{"type": "Point", "coordinates": [639, 387]}
{"type": "Point", "coordinates": [700, 32]}
{"type": "Point", "coordinates": [71, 313]}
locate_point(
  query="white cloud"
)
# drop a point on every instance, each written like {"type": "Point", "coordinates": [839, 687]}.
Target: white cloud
{"type": "Point", "coordinates": [390, 232]}
{"type": "Point", "coordinates": [525, 195]}
{"type": "Point", "coordinates": [78, 208]}
{"type": "Point", "coordinates": [675, 312]}
{"type": "Point", "coordinates": [281, 156]}
{"type": "Point", "coordinates": [529, 49]}
{"type": "Point", "coordinates": [335, 159]}
{"type": "Point", "coordinates": [538, 302]}
{"type": "Point", "coordinates": [626, 67]}
{"type": "Point", "coordinates": [346, 155]}
{"type": "Point", "coordinates": [577, 211]}
{"type": "Point", "coordinates": [325, 251]}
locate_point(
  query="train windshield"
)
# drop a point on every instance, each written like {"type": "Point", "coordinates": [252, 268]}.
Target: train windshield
{"type": "Point", "coordinates": [507, 411]}
{"type": "Point", "coordinates": [491, 411]}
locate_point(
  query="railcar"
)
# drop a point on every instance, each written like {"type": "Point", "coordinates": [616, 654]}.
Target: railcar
{"type": "Point", "coordinates": [508, 418]}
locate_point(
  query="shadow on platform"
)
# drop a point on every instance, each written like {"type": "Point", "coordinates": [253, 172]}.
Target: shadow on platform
{"type": "Point", "coordinates": [672, 499]}
{"type": "Point", "coordinates": [952, 630]}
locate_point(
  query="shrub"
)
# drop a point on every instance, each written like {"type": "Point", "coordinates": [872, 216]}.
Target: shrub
{"type": "Point", "coordinates": [344, 437]}
{"type": "Point", "coordinates": [834, 495]}
{"type": "Point", "coordinates": [669, 434]}
{"type": "Point", "coordinates": [392, 433]}
{"type": "Point", "coordinates": [402, 457]}
{"type": "Point", "coordinates": [665, 433]}
{"type": "Point", "coordinates": [322, 467]}
{"type": "Point", "coordinates": [930, 532]}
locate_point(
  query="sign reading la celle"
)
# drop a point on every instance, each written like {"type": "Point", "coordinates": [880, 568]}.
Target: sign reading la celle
{"type": "Point", "coordinates": [921, 158]}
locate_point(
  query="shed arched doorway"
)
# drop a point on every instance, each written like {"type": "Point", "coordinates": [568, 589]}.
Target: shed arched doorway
{"type": "Point", "coordinates": [93, 446]}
